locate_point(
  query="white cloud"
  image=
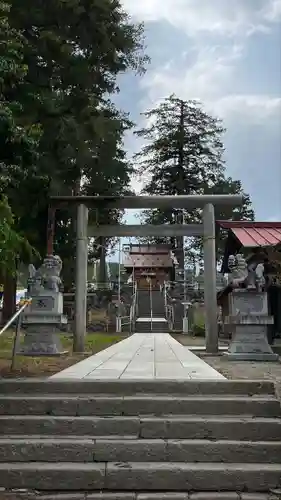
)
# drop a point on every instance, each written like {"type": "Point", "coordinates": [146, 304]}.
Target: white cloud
{"type": "Point", "coordinates": [210, 79]}
{"type": "Point", "coordinates": [219, 17]}
{"type": "Point", "coordinates": [272, 11]}
{"type": "Point", "coordinates": [218, 63]}
{"type": "Point", "coordinates": [202, 79]}
{"type": "Point", "coordinates": [255, 109]}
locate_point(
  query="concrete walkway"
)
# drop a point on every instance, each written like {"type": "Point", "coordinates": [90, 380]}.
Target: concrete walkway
{"type": "Point", "coordinates": [143, 356]}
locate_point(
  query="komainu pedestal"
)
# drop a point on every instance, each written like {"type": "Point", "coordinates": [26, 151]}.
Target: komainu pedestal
{"type": "Point", "coordinates": [43, 318]}
{"type": "Point", "coordinates": [249, 320]}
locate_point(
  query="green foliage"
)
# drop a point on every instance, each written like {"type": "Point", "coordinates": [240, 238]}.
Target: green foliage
{"type": "Point", "coordinates": [72, 65]}
{"type": "Point", "coordinates": [18, 140]}
{"type": "Point", "coordinates": [67, 55]}
{"type": "Point", "coordinates": [18, 143]}
{"type": "Point", "coordinates": [184, 154]}
{"type": "Point", "coordinates": [12, 244]}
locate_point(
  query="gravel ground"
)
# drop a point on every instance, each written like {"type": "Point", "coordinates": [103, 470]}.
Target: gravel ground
{"type": "Point", "coordinates": [237, 369]}
{"type": "Point", "coordinates": [247, 370]}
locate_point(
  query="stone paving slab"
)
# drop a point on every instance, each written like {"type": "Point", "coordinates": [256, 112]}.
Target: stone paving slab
{"type": "Point", "coordinates": [152, 320]}
{"type": "Point", "coordinates": [144, 356]}
{"type": "Point", "coordinates": [24, 495]}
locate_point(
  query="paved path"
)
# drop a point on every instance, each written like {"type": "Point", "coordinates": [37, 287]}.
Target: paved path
{"type": "Point", "coordinates": [143, 356]}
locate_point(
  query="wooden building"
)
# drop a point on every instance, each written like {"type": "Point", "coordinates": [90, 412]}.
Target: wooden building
{"type": "Point", "coordinates": [149, 263]}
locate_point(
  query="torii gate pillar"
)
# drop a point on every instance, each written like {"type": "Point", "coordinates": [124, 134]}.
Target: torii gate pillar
{"type": "Point", "coordinates": [81, 270]}
{"type": "Point", "coordinates": [210, 289]}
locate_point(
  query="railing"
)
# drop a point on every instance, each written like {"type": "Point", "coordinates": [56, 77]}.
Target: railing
{"type": "Point", "coordinates": [17, 316]}
{"type": "Point", "coordinates": [170, 316]}
{"type": "Point", "coordinates": [133, 308]}
{"type": "Point", "coordinates": [169, 308]}
{"type": "Point", "coordinates": [128, 320]}
{"type": "Point", "coordinates": [195, 284]}
{"type": "Point", "coordinates": [151, 305]}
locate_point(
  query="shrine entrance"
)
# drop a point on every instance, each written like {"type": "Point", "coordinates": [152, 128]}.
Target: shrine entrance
{"type": "Point", "coordinates": [147, 280]}
{"type": "Point", "coordinates": [206, 230]}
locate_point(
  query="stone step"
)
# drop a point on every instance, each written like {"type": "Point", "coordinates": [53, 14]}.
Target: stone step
{"type": "Point", "coordinates": [35, 449]}
{"type": "Point", "coordinates": [124, 387]}
{"type": "Point", "coordinates": [221, 427]}
{"type": "Point", "coordinates": [152, 326]}
{"type": "Point", "coordinates": [184, 477]}
{"type": "Point", "coordinates": [142, 496]}
{"type": "Point", "coordinates": [72, 405]}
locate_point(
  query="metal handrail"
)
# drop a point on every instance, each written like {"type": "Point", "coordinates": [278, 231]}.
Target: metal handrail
{"type": "Point", "coordinates": [196, 283]}
{"type": "Point", "coordinates": [151, 304]}
{"type": "Point", "coordinates": [169, 308]}
{"type": "Point", "coordinates": [166, 298]}
{"type": "Point", "coordinates": [133, 307]}
{"type": "Point", "coordinates": [15, 316]}
{"type": "Point", "coordinates": [131, 315]}
{"type": "Point", "coordinates": [171, 317]}
{"type": "Point", "coordinates": [23, 303]}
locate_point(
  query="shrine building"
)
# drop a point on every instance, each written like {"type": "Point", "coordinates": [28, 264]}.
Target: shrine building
{"type": "Point", "coordinates": [149, 263]}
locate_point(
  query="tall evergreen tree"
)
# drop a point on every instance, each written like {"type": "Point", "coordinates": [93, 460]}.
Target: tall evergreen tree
{"type": "Point", "coordinates": [72, 53]}
{"type": "Point", "coordinates": [18, 152]}
{"type": "Point", "coordinates": [183, 155]}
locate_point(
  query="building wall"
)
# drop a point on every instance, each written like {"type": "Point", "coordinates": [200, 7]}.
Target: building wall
{"type": "Point", "coordinates": [155, 261]}
{"type": "Point", "coordinates": [157, 275]}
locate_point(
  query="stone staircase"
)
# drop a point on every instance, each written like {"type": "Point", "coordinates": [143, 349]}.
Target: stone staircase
{"type": "Point", "coordinates": [147, 297]}
{"type": "Point", "coordinates": [158, 304]}
{"type": "Point", "coordinates": [152, 327]}
{"type": "Point", "coordinates": [140, 440]}
{"type": "Point", "coordinates": [143, 299]}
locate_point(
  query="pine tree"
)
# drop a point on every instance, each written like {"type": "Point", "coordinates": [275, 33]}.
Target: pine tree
{"type": "Point", "coordinates": [184, 155]}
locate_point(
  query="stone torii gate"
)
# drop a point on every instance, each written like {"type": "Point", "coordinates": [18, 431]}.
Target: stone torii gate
{"type": "Point", "coordinates": [206, 229]}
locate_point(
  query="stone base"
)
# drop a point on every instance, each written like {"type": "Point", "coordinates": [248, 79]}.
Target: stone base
{"type": "Point", "coordinates": [42, 343]}
{"type": "Point", "coordinates": [250, 344]}
{"type": "Point", "coordinates": [42, 354]}
{"type": "Point", "coordinates": [250, 357]}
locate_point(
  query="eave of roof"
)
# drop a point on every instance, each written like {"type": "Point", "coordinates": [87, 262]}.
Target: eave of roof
{"type": "Point", "coordinates": [254, 234]}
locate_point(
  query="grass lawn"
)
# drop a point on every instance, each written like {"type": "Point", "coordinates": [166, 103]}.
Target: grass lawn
{"type": "Point", "coordinates": [45, 366]}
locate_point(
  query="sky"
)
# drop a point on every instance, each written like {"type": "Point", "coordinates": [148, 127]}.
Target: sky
{"type": "Point", "coordinates": [227, 54]}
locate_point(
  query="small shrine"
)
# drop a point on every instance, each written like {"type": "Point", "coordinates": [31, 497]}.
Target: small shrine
{"type": "Point", "coordinates": [147, 264]}
{"type": "Point", "coordinates": [247, 312]}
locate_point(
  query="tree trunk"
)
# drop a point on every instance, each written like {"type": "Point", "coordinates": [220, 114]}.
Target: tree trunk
{"type": "Point", "coordinates": [9, 297]}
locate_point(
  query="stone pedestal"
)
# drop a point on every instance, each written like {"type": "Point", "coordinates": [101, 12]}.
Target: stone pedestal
{"type": "Point", "coordinates": [42, 321]}
{"type": "Point", "coordinates": [248, 319]}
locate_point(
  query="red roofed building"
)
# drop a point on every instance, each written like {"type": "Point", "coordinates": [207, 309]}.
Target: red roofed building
{"type": "Point", "coordinates": [156, 262]}
{"type": "Point", "coordinates": [255, 239]}
{"type": "Point", "coordinates": [251, 236]}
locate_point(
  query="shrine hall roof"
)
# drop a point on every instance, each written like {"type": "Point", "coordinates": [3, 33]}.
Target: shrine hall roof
{"type": "Point", "coordinates": [254, 234]}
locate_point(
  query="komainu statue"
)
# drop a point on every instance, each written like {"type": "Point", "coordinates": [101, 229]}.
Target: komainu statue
{"type": "Point", "coordinates": [245, 276]}
{"type": "Point", "coordinates": [238, 270]}
{"type": "Point", "coordinates": [46, 277]}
